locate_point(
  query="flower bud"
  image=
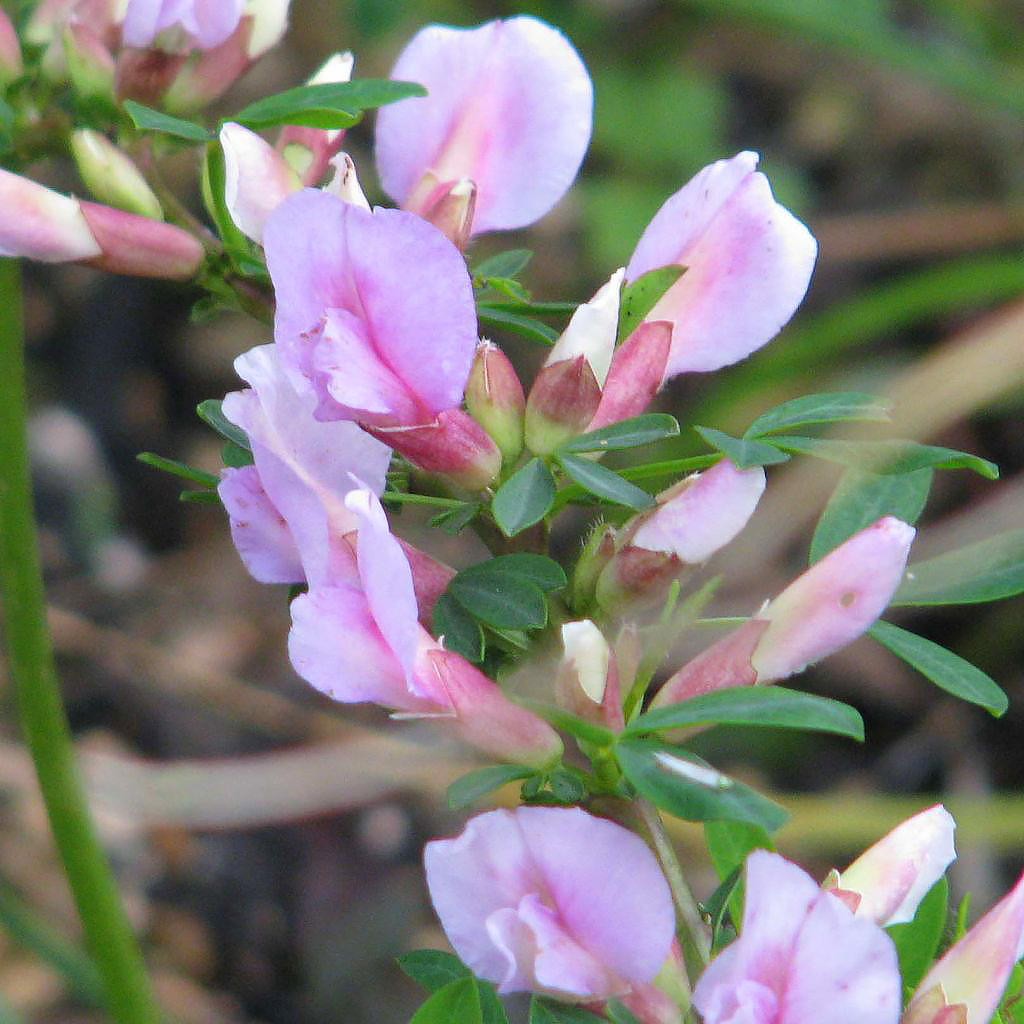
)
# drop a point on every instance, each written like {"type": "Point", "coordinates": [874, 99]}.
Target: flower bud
{"type": "Point", "coordinates": [10, 51]}
{"type": "Point", "coordinates": [452, 212]}
{"type": "Point", "coordinates": [494, 398]}
{"type": "Point", "coordinates": [40, 224]}
{"type": "Point", "coordinates": [146, 75]}
{"type": "Point", "coordinates": [592, 330]}
{"type": "Point", "coordinates": [142, 247]}
{"type": "Point", "coordinates": [597, 552]}
{"type": "Point", "coordinates": [345, 182]}
{"type": "Point", "coordinates": [587, 681]}
{"type": "Point", "coordinates": [206, 76]}
{"type": "Point", "coordinates": [430, 578]}
{"type": "Point", "coordinates": [891, 878]}
{"type": "Point", "coordinates": [562, 402]}
{"type": "Point", "coordinates": [256, 179]}
{"type": "Point", "coordinates": [453, 446]}
{"type": "Point", "coordinates": [111, 176]}
{"type": "Point", "coordinates": [965, 986]}
{"type": "Point", "coordinates": [636, 374]}
{"type": "Point", "coordinates": [88, 62]}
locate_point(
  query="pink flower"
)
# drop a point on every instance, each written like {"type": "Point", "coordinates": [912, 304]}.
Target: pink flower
{"type": "Point", "coordinates": [356, 638]}
{"type": "Point", "coordinates": [801, 958]}
{"type": "Point", "coordinates": [967, 983]}
{"type": "Point", "coordinates": [826, 608]}
{"type": "Point", "coordinates": [748, 263]}
{"type": "Point", "coordinates": [180, 24]}
{"type": "Point", "coordinates": [376, 310]}
{"type": "Point", "coordinates": [41, 224]}
{"type": "Point", "coordinates": [552, 900]}
{"type": "Point", "coordinates": [889, 880]}
{"type": "Point", "coordinates": [509, 107]}
{"type": "Point", "coordinates": [288, 511]}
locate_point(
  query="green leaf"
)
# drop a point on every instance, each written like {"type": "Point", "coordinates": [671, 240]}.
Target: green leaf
{"type": "Point", "coordinates": [589, 732]}
{"type": "Point", "coordinates": [987, 571]}
{"type": "Point", "coordinates": [603, 483]}
{"type": "Point", "coordinates": [771, 707]}
{"type": "Point", "coordinates": [632, 433]}
{"type": "Point", "coordinates": [147, 120]}
{"type": "Point", "coordinates": [525, 326]}
{"type": "Point", "coordinates": [460, 630]}
{"type": "Point", "coordinates": [503, 264]}
{"type": "Point", "coordinates": [729, 844]}
{"type": "Point", "coordinates": [236, 244]}
{"type": "Point", "coordinates": [861, 498]}
{"type": "Point", "coordinates": [500, 599]}
{"type": "Point", "coordinates": [618, 1014]}
{"type": "Point", "coordinates": [547, 1011]}
{"type": "Point", "coordinates": [467, 790]}
{"type": "Point", "coordinates": [946, 670]}
{"type": "Point", "coordinates": [511, 289]}
{"type": "Point", "coordinates": [432, 968]}
{"type": "Point", "coordinates": [566, 787]}
{"type": "Point", "coordinates": [681, 784]}
{"type": "Point", "coordinates": [918, 940]}
{"type": "Point", "coordinates": [234, 456]}
{"type": "Point", "coordinates": [829, 407]}
{"type": "Point", "coordinates": [178, 469]}
{"type": "Point", "coordinates": [457, 1003]}
{"type": "Point", "coordinates": [639, 297]}
{"type": "Point", "coordinates": [212, 415]}
{"type": "Point", "coordinates": [454, 520]}
{"type": "Point", "coordinates": [327, 106]}
{"type": "Point", "coordinates": [524, 498]}
{"type": "Point", "coordinates": [741, 453]}
{"type": "Point", "coordinates": [545, 572]}
{"type": "Point", "coordinates": [887, 456]}
{"type": "Point", "coordinates": [199, 497]}
{"type": "Point", "coordinates": [722, 899]}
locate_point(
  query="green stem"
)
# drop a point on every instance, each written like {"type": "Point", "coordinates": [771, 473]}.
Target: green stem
{"type": "Point", "coordinates": [421, 499]}
{"type": "Point", "coordinates": [39, 704]}
{"type": "Point", "coordinates": [694, 934]}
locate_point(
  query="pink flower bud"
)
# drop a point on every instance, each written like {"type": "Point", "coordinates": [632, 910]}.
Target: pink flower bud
{"type": "Point", "coordinates": [10, 50]}
{"type": "Point", "coordinates": [146, 75]}
{"type": "Point", "coordinates": [256, 179]}
{"type": "Point", "coordinates": [454, 446]}
{"type": "Point", "coordinates": [968, 982]}
{"type": "Point", "coordinates": [430, 578]}
{"type": "Point", "coordinates": [552, 900]}
{"type": "Point", "coordinates": [635, 575]}
{"type": "Point", "coordinates": [562, 402]}
{"type": "Point", "coordinates": [345, 182]}
{"type": "Point", "coordinates": [40, 224]}
{"type": "Point", "coordinates": [494, 398]}
{"type": "Point", "coordinates": [826, 608]}
{"type": "Point", "coordinates": [637, 370]}
{"type": "Point", "coordinates": [111, 176]}
{"type": "Point", "coordinates": [748, 263]}
{"type": "Point", "coordinates": [592, 330]}
{"type": "Point", "coordinates": [587, 681]}
{"type": "Point", "coordinates": [801, 958]}
{"type": "Point", "coordinates": [893, 876]}
{"type": "Point", "coordinates": [450, 210]}
{"type": "Point", "coordinates": [136, 245]}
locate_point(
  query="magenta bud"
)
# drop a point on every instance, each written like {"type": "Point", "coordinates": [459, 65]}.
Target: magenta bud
{"type": "Point", "coordinates": [141, 247]}
{"type": "Point", "coordinates": [635, 575]}
{"type": "Point", "coordinates": [454, 446]}
{"type": "Point", "coordinates": [111, 176]}
{"type": "Point", "coordinates": [562, 402]}
{"type": "Point", "coordinates": [486, 719]}
{"type": "Point", "coordinates": [10, 50]}
{"type": "Point", "coordinates": [430, 578]}
{"type": "Point", "coordinates": [494, 398]}
{"type": "Point", "coordinates": [636, 374]}
{"type": "Point", "coordinates": [146, 75]}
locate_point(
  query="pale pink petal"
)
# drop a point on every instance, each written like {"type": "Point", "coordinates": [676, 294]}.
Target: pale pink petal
{"type": "Point", "coordinates": [893, 876]}
{"type": "Point", "coordinates": [386, 579]}
{"type": "Point", "coordinates": [607, 887]}
{"type": "Point", "coordinates": [212, 21]}
{"type": "Point", "coordinates": [261, 536]}
{"type": "Point", "coordinates": [748, 263]}
{"type": "Point", "coordinates": [835, 601]}
{"type": "Point", "coordinates": [636, 374]}
{"type": "Point", "coordinates": [510, 106]}
{"type": "Point", "coordinates": [844, 963]}
{"type": "Point", "coordinates": [256, 178]}
{"type": "Point", "coordinates": [592, 330]}
{"type": "Point", "coordinates": [40, 224]}
{"type": "Point", "coordinates": [696, 518]}
{"type": "Point", "coordinates": [335, 645]}
{"type": "Point", "coordinates": [207, 23]}
{"type": "Point", "coordinates": [975, 971]}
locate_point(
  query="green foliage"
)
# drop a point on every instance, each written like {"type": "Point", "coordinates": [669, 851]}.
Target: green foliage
{"type": "Point", "coordinates": [436, 971]}
{"type": "Point", "coordinates": [178, 469]}
{"type": "Point", "coordinates": [602, 482]}
{"type": "Point", "coordinates": [548, 1011]}
{"type": "Point", "coordinates": [629, 433]}
{"type": "Point", "coordinates": [460, 631]}
{"type": "Point", "coordinates": [527, 327]}
{"type": "Point", "coordinates": [918, 940]}
{"type": "Point", "coordinates": [639, 297]}
{"type": "Point", "coordinates": [148, 120]}
{"type": "Point", "coordinates": [457, 1003]}
{"type": "Point", "coordinates": [327, 106]}
{"type": "Point", "coordinates": [767, 707]}
{"type": "Point", "coordinates": [742, 453]}
{"type": "Point", "coordinates": [946, 670]}
{"type": "Point", "coordinates": [524, 498]}
{"type": "Point", "coordinates": [211, 413]}
{"type": "Point", "coordinates": [468, 789]}
{"type": "Point", "coordinates": [830, 407]}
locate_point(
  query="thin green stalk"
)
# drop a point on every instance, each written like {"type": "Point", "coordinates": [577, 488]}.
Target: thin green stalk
{"type": "Point", "coordinates": [38, 698]}
{"type": "Point", "coordinates": [421, 499]}
{"type": "Point", "coordinates": [694, 936]}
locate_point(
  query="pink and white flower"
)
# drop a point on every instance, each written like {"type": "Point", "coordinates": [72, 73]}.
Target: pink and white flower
{"type": "Point", "coordinates": [552, 900]}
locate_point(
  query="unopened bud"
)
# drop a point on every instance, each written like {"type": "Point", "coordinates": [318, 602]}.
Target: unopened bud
{"type": "Point", "coordinates": [452, 212]}
{"type": "Point", "coordinates": [206, 76]}
{"type": "Point", "coordinates": [88, 63]}
{"type": "Point", "coordinates": [562, 402]}
{"type": "Point", "coordinates": [592, 330]}
{"type": "Point", "coordinates": [635, 575]}
{"type": "Point", "coordinates": [345, 182]}
{"type": "Point", "coordinates": [111, 176]}
{"type": "Point", "coordinates": [596, 554]}
{"type": "Point", "coordinates": [494, 398]}
{"type": "Point", "coordinates": [141, 247]}
{"type": "Point", "coordinates": [587, 683]}
{"type": "Point", "coordinates": [636, 374]}
{"type": "Point", "coordinates": [256, 179]}
{"type": "Point", "coordinates": [10, 51]}
{"type": "Point", "coordinates": [40, 224]}
{"type": "Point", "coordinates": [454, 446]}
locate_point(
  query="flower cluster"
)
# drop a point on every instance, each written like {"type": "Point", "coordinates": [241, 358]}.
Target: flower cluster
{"type": "Point", "coordinates": [379, 392]}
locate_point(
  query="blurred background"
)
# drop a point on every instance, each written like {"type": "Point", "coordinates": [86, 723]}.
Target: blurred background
{"type": "Point", "coordinates": [268, 842]}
